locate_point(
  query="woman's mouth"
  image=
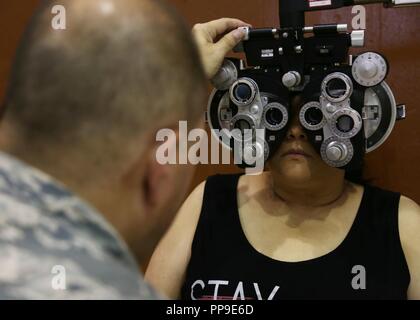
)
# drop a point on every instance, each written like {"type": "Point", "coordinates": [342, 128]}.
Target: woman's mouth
{"type": "Point", "coordinates": [296, 153]}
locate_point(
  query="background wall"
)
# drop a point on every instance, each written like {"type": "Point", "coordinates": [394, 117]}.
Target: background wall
{"type": "Point", "coordinates": [394, 32]}
{"type": "Point", "coordinates": [13, 17]}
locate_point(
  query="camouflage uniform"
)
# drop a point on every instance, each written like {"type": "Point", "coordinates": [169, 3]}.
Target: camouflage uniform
{"type": "Point", "coordinates": [55, 246]}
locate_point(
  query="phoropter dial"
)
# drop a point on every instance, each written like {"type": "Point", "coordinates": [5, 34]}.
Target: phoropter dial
{"type": "Point", "coordinates": [369, 69]}
{"type": "Point", "coordinates": [337, 152]}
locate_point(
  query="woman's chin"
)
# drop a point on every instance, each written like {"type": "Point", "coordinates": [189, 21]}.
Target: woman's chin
{"type": "Point", "coordinates": [296, 173]}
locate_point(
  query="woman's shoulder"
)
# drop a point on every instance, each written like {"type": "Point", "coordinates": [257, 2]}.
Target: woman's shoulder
{"type": "Point", "coordinates": [409, 216]}
{"type": "Point", "coordinates": [409, 231]}
{"type": "Point", "coordinates": [408, 204]}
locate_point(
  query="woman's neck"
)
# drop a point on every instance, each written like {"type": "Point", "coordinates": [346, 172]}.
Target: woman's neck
{"type": "Point", "coordinates": [311, 194]}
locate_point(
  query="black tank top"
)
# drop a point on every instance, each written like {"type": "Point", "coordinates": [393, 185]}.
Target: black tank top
{"type": "Point", "coordinates": [368, 264]}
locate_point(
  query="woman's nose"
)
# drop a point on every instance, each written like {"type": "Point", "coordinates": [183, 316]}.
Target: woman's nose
{"type": "Point", "coordinates": [295, 131]}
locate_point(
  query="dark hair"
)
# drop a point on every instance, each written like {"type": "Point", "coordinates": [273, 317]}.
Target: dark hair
{"type": "Point", "coordinates": [357, 175]}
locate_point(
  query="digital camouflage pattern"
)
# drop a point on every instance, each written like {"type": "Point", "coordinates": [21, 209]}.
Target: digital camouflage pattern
{"type": "Point", "coordinates": [45, 229]}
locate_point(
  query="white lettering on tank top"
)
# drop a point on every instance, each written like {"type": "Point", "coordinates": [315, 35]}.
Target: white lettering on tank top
{"type": "Point", "coordinates": [238, 294]}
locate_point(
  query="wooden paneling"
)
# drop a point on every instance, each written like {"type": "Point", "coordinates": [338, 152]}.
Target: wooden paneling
{"type": "Point", "coordinates": [13, 17]}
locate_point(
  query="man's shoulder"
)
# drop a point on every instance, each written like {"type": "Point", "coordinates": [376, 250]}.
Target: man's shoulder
{"type": "Point", "coordinates": [36, 203]}
{"type": "Point", "coordinates": [54, 245]}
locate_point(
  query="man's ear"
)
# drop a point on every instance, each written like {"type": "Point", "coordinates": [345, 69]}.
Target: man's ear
{"type": "Point", "coordinates": [159, 179]}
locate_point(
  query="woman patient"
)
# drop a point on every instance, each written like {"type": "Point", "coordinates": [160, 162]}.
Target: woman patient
{"type": "Point", "coordinates": [300, 230]}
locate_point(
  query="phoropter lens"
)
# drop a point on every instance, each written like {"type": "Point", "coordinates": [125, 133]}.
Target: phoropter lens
{"type": "Point", "coordinates": [314, 116]}
{"type": "Point", "coordinates": [345, 123]}
{"type": "Point", "coordinates": [274, 116]}
{"type": "Point", "coordinates": [336, 88]}
{"type": "Point", "coordinates": [242, 125]}
{"type": "Point", "coordinates": [243, 92]}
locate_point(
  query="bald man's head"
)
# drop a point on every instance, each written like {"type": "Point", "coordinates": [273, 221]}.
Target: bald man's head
{"type": "Point", "coordinates": [118, 69]}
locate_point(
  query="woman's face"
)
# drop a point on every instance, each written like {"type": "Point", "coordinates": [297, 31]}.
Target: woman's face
{"type": "Point", "coordinates": [296, 160]}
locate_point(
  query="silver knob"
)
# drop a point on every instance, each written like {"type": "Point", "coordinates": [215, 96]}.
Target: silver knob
{"type": "Point", "coordinates": [368, 69]}
{"type": "Point", "coordinates": [226, 76]}
{"type": "Point", "coordinates": [291, 79]}
{"type": "Point", "coordinates": [342, 28]}
{"type": "Point", "coordinates": [357, 38]}
{"type": "Point", "coordinates": [330, 108]}
{"type": "Point", "coordinates": [255, 109]}
{"type": "Point", "coordinates": [336, 151]}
